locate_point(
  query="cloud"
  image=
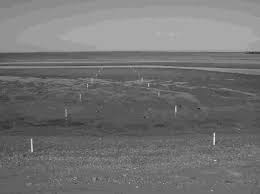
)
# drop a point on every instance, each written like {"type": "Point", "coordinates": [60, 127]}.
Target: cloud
{"type": "Point", "coordinates": [127, 25]}
{"type": "Point", "coordinates": [140, 34]}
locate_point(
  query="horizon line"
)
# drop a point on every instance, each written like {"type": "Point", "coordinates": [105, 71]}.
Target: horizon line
{"type": "Point", "coordinates": [133, 51]}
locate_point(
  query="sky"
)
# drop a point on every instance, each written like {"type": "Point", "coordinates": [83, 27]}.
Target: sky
{"type": "Point", "coordinates": [129, 25]}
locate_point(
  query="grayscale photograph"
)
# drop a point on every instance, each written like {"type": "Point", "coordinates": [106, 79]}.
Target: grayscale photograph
{"type": "Point", "coordinates": [129, 96]}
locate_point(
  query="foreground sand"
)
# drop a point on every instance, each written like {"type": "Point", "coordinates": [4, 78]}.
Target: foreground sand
{"type": "Point", "coordinates": [177, 164]}
{"type": "Point", "coordinates": [122, 136]}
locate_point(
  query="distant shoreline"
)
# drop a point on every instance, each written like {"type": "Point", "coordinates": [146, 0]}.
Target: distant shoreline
{"type": "Point", "coordinates": [253, 52]}
{"type": "Point", "coordinates": [135, 63]}
{"type": "Point", "coordinates": [150, 59]}
{"type": "Point", "coordinates": [214, 69]}
{"type": "Point", "coordinates": [125, 51]}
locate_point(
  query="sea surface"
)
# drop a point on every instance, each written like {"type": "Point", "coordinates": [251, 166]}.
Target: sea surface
{"type": "Point", "coordinates": [120, 56]}
{"type": "Point", "coordinates": [234, 62]}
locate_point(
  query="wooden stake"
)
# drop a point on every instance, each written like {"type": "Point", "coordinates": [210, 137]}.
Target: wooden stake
{"type": "Point", "coordinates": [214, 139]}
{"type": "Point", "coordinates": [31, 145]}
{"type": "Point", "coordinates": [80, 97]}
{"type": "Point", "coordinates": [66, 114]}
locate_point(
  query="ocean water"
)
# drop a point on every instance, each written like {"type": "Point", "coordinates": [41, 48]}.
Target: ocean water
{"type": "Point", "coordinates": [237, 62]}
{"type": "Point", "coordinates": [219, 57]}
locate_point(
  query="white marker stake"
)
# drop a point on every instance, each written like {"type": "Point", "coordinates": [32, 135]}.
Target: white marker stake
{"type": "Point", "coordinates": [66, 114]}
{"type": "Point", "coordinates": [175, 110]}
{"type": "Point", "coordinates": [31, 145]}
{"type": "Point", "coordinates": [159, 94]}
{"type": "Point", "coordinates": [148, 85]}
{"type": "Point", "coordinates": [87, 86]}
{"type": "Point", "coordinates": [80, 97]}
{"type": "Point", "coordinates": [214, 138]}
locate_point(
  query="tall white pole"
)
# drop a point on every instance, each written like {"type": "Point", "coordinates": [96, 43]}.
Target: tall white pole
{"type": "Point", "coordinates": [66, 113]}
{"type": "Point", "coordinates": [214, 138]}
{"type": "Point", "coordinates": [31, 145]}
{"type": "Point", "coordinates": [175, 110]}
{"type": "Point", "coordinates": [80, 97]}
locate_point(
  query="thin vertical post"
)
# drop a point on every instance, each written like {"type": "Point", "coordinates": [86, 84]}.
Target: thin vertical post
{"type": "Point", "coordinates": [66, 114]}
{"type": "Point", "coordinates": [31, 145]}
{"type": "Point", "coordinates": [80, 97]}
{"type": "Point", "coordinates": [175, 110]}
{"type": "Point", "coordinates": [214, 139]}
